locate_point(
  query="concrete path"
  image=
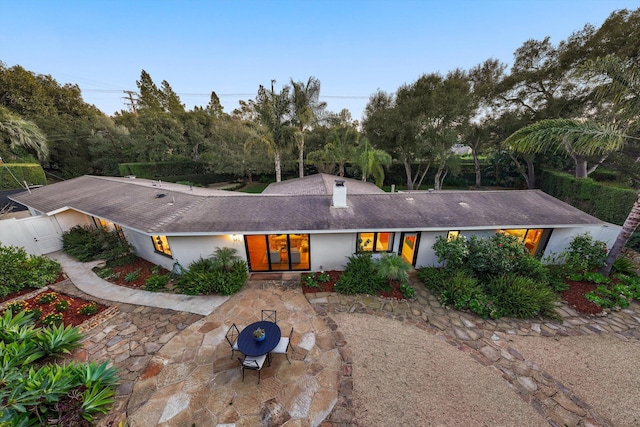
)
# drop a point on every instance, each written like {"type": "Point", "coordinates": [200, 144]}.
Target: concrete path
{"type": "Point", "coordinates": [81, 274]}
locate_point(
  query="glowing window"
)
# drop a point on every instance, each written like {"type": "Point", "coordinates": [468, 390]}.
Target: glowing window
{"type": "Point", "coordinates": [161, 245]}
{"type": "Point", "coordinates": [375, 242]}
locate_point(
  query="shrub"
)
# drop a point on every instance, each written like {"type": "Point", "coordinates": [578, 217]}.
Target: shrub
{"type": "Point", "coordinates": [360, 276]}
{"type": "Point", "coordinates": [88, 243]}
{"type": "Point", "coordinates": [585, 254]}
{"type": "Point", "coordinates": [105, 273]}
{"type": "Point", "coordinates": [18, 270]}
{"type": "Point", "coordinates": [488, 257]}
{"type": "Point", "coordinates": [36, 393]}
{"type": "Point", "coordinates": [310, 280]}
{"type": "Point", "coordinates": [132, 276]}
{"type": "Point", "coordinates": [47, 298]}
{"type": "Point", "coordinates": [52, 319]}
{"type": "Point", "coordinates": [88, 309]}
{"type": "Point", "coordinates": [407, 291]}
{"type": "Point", "coordinates": [517, 296]}
{"type": "Point", "coordinates": [156, 282]}
{"type": "Point", "coordinates": [623, 265]}
{"type": "Point", "coordinates": [393, 268]}
{"type": "Point", "coordinates": [212, 275]}
{"type": "Point", "coordinates": [459, 288]}
{"type": "Point", "coordinates": [433, 278]}
{"type": "Point", "coordinates": [61, 305]}
{"type": "Point", "coordinates": [16, 306]}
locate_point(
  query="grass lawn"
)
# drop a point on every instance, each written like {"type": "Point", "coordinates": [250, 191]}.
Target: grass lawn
{"type": "Point", "coordinates": [254, 188]}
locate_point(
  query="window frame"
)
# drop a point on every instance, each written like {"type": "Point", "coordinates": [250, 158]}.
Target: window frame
{"type": "Point", "coordinates": [374, 250]}
{"type": "Point", "coordinates": [159, 245]}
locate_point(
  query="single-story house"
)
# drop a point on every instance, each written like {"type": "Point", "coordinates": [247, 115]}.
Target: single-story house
{"type": "Point", "coordinates": [305, 224]}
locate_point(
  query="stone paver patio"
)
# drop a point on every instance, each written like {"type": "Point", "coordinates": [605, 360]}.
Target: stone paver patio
{"type": "Point", "coordinates": [176, 368]}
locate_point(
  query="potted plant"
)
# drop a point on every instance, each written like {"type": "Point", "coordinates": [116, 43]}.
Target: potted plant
{"type": "Point", "coordinates": [258, 334]}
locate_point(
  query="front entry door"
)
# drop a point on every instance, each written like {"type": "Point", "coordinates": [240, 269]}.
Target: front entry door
{"type": "Point", "coordinates": [409, 247]}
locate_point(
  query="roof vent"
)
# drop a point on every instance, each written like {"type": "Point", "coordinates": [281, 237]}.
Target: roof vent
{"type": "Point", "coordinates": [160, 195]}
{"type": "Point", "coordinates": [340, 194]}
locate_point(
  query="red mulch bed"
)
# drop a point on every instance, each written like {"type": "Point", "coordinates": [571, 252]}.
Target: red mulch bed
{"type": "Point", "coordinates": [145, 268]}
{"type": "Point", "coordinates": [575, 297]}
{"type": "Point", "coordinates": [70, 316]}
{"type": "Point", "coordinates": [334, 275]}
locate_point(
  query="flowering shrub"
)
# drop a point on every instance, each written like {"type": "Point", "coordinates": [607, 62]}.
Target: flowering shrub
{"type": "Point", "coordinates": [52, 319]}
{"type": "Point", "coordinates": [61, 305]}
{"type": "Point", "coordinates": [17, 306]}
{"type": "Point", "coordinates": [47, 298]}
{"type": "Point", "coordinates": [88, 309]}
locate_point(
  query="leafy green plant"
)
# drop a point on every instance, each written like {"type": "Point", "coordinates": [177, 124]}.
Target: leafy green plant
{"type": "Point", "coordinates": [156, 282]}
{"type": "Point", "coordinates": [105, 273]}
{"type": "Point", "coordinates": [18, 270]}
{"type": "Point", "coordinates": [522, 297]}
{"type": "Point", "coordinates": [88, 243]}
{"type": "Point", "coordinates": [59, 339]}
{"type": "Point", "coordinates": [585, 254]}
{"type": "Point", "coordinates": [88, 309]}
{"type": "Point", "coordinates": [624, 265]}
{"type": "Point", "coordinates": [206, 276]}
{"type": "Point", "coordinates": [47, 298]}
{"type": "Point", "coordinates": [407, 291]}
{"type": "Point", "coordinates": [360, 276]}
{"type": "Point", "coordinates": [459, 288]}
{"type": "Point", "coordinates": [596, 278]}
{"type": "Point", "coordinates": [433, 278]}
{"type": "Point", "coordinates": [310, 280]}
{"type": "Point", "coordinates": [16, 306]}
{"type": "Point", "coordinates": [61, 305]}
{"type": "Point", "coordinates": [33, 393]}
{"type": "Point", "coordinates": [132, 276]}
{"type": "Point", "coordinates": [52, 319]}
{"type": "Point", "coordinates": [323, 277]}
{"type": "Point", "coordinates": [393, 267]}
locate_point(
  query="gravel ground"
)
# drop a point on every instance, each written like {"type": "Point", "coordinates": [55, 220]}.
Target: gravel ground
{"type": "Point", "coordinates": [601, 369]}
{"type": "Point", "coordinates": [404, 376]}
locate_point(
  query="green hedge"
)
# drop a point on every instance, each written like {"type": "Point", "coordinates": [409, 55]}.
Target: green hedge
{"type": "Point", "coordinates": [155, 170]}
{"type": "Point", "coordinates": [30, 172]}
{"type": "Point", "coordinates": [607, 203]}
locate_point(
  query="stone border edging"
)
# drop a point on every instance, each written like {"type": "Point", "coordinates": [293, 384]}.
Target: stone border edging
{"type": "Point", "coordinates": [486, 343]}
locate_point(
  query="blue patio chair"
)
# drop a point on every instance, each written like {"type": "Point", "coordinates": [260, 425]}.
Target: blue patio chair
{"type": "Point", "coordinates": [232, 338]}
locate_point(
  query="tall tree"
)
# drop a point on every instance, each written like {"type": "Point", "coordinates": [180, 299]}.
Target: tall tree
{"type": "Point", "coordinates": [306, 111]}
{"type": "Point", "coordinates": [18, 134]}
{"type": "Point", "coordinates": [589, 137]}
{"type": "Point", "coordinates": [371, 161]}
{"type": "Point", "coordinates": [274, 123]}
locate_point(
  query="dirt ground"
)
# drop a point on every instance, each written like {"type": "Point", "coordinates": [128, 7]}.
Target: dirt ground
{"type": "Point", "coordinates": [424, 381]}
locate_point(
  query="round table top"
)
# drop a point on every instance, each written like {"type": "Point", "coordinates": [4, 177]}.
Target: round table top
{"type": "Point", "coordinates": [250, 347]}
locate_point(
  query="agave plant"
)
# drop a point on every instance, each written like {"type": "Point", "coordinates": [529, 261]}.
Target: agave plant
{"type": "Point", "coordinates": [96, 399]}
{"type": "Point", "coordinates": [58, 339]}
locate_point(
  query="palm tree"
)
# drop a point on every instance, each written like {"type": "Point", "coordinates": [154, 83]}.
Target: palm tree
{"type": "Point", "coordinates": [371, 161]}
{"type": "Point", "coordinates": [274, 128]}
{"type": "Point", "coordinates": [19, 133]}
{"type": "Point", "coordinates": [306, 110]}
{"type": "Point", "coordinates": [588, 137]}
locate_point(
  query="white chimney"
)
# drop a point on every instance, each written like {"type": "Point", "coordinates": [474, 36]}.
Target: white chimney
{"type": "Point", "coordinates": [340, 194]}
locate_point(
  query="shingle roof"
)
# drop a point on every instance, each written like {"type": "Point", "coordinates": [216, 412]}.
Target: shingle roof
{"type": "Point", "coordinates": [320, 184]}
{"type": "Point", "coordinates": [137, 203]}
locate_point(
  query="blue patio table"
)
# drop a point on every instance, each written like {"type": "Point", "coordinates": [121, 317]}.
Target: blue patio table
{"type": "Point", "coordinates": [248, 345]}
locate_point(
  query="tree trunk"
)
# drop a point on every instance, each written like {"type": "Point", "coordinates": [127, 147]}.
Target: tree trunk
{"type": "Point", "coordinates": [436, 181]}
{"type": "Point", "coordinates": [407, 170]}
{"type": "Point", "coordinates": [476, 163]}
{"type": "Point", "coordinates": [301, 156]}
{"type": "Point", "coordinates": [629, 226]}
{"type": "Point", "coordinates": [581, 166]}
{"type": "Point", "coordinates": [531, 172]}
{"type": "Point", "coordinates": [276, 160]}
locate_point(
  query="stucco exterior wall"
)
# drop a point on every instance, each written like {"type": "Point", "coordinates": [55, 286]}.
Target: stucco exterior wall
{"type": "Point", "coordinates": [13, 233]}
{"type": "Point", "coordinates": [190, 248]}
{"type": "Point", "coordinates": [330, 251]}
{"type": "Point", "coordinates": [561, 237]}
{"type": "Point", "coordinates": [69, 219]}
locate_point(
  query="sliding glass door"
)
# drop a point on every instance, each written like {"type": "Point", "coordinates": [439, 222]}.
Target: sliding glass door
{"type": "Point", "coordinates": [278, 252]}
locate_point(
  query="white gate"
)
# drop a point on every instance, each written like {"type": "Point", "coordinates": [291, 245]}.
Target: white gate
{"type": "Point", "coordinates": [38, 235]}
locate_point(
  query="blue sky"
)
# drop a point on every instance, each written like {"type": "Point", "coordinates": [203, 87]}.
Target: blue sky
{"type": "Point", "coordinates": [353, 47]}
